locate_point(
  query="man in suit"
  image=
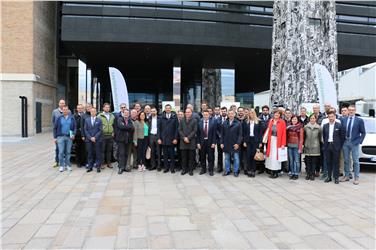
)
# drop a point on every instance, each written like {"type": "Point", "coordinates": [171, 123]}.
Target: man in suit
{"type": "Point", "coordinates": [333, 138]}
{"type": "Point", "coordinates": [206, 142]}
{"type": "Point", "coordinates": [355, 132]}
{"type": "Point", "coordinates": [132, 149]}
{"type": "Point", "coordinates": [187, 131]}
{"type": "Point", "coordinates": [168, 138]}
{"type": "Point", "coordinates": [124, 138]}
{"type": "Point", "coordinates": [93, 139]}
{"type": "Point", "coordinates": [220, 122]}
{"type": "Point", "coordinates": [79, 139]}
{"type": "Point", "coordinates": [154, 134]}
{"type": "Point", "coordinates": [231, 139]}
{"type": "Point", "coordinates": [123, 106]}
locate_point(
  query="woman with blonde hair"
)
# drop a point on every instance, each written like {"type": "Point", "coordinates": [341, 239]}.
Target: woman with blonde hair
{"type": "Point", "coordinates": [252, 136]}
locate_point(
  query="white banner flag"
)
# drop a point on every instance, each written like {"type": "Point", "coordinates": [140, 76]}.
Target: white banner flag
{"type": "Point", "coordinates": [119, 88]}
{"type": "Point", "coordinates": [326, 87]}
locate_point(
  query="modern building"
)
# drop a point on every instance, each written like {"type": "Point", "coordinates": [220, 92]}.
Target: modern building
{"type": "Point", "coordinates": [214, 50]}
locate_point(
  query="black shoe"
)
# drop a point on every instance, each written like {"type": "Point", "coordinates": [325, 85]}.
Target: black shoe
{"type": "Point", "coordinates": [236, 174]}
{"type": "Point", "coordinates": [166, 170]}
{"type": "Point", "coordinates": [159, 169]}
{"type": "Point", "coordinates": [79, 165]}
{"type": "Point", "coordinates": [98, 170]}
{"type": "Point", "coordinates": [296, 177]}
{"type": "Point", "coordinates": [252, 175]}
{"type": "Point", "coordinates": [291, 177]}
{"type": "Point", "coordinates": [225, 173]}
{"type": "Point", "coordinates": [260, 172]}
{"type": "Point", "coordinates": [152, 168]}
{"type": "Point", "coordinates": [220, 170]}
{"type": "Point", "coordinates": [308, 177]}
{"type": "Point", "coordinates": [246, 173]}
{"type": "Point", "coordinates": [172, 171]}
{"type": "Point", "coordinates": [127, 170]}
{"type": "Point", "coordinates": [328, 179]}
{"type": "Point", "coordinates": [191, 173]}
{"type": "Point", "coordinates": [203, 171]}
{"type": "Point", "coordinates": [312, 177]}
{"type": "Point", "coordinates": [120, 171]}
{"type": "Point", "coordinates": [183, 172]}
{"type": "Point", "coordinates": [336, 181]}
{"type": "Point", "coordinates": [89, 170]}
{"type": "Point", "coordinates": [211, 173]}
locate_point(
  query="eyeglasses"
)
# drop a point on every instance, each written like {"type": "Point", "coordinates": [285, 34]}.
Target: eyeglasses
{"type": "Point", "coordinates": [122, 107]}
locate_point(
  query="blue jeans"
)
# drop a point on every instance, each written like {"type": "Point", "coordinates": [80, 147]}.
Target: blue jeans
{"type": "Point", "coordinates": [294, 160]}
{"type": "Point", "coordinates": [228, 161]}
{"type": "Point", "coordinates": [349, 148]}
{"type": "Point", "coordinates": [64, 144]}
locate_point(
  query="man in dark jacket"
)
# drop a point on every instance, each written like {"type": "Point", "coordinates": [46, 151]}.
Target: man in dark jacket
{"type": "Point", "coordinates": [206, 141]}
{"type": "Point", "coordinates": [79, 139]}
{"type": "Point", "coordinates": [333, 137]}
{"type": "Point", "coordinates": [154, 134]}
{"type": "Point", "coordinates": [187, 132]}
{"type": "Point", "coordinates": [230, 142]}
{"type": "Point", "coordinates": [168, 138]}
{"type": "Point", "coordinates": [93, 139]}
{"type": "Point", "coordinates": [220, 121]}
{"type": "Point", "coordinates": [124, 138]}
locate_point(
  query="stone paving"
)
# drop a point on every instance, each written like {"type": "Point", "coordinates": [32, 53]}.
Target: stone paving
{"type": "Point", "coordinates": [42, 208]}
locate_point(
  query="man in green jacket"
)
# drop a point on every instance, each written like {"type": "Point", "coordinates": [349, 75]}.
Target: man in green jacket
{"type": "Point", "coordinates": [108, 123]}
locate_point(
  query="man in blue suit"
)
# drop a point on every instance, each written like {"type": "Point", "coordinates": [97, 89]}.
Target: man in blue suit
{"type": "Point", "coordinates": [93, 139]}
{"type": "Point", "coordinates": [355, 132]}
{"type": "Point", "coordinates": [206, 142]}
{"type": "Point", "coordinates": [333, 137]}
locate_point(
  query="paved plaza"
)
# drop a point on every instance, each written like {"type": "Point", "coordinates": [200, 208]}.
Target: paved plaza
{"type": "Point", "coordinates": [42, 208]}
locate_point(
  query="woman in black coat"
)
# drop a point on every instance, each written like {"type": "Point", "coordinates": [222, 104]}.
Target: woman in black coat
{"type": "Point", "coordinates": [252, 137]}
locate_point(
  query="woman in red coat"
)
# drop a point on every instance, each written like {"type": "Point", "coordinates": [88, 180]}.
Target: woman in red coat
{"type": "Point", "coordinates": [276, 138]}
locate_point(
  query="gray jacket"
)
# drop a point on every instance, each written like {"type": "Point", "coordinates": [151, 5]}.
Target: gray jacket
{"type": "Point", "coordinates": [312, 138]}
{"type": "Point", "coordinates": [188, 129]}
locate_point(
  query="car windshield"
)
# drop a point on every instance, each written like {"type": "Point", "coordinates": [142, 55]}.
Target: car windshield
{"type": "Point", "coordinates": [370, 125]}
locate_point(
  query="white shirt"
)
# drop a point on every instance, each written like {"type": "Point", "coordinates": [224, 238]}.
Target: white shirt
{"type": "Point", "coordinates": [168, 116]}
{"type": "Point", "coordinates": [92, 121]}
{"type": "Point", "coordinates": [326, 120]}
{"type": "Point", "coordinates": [107, 115]}
{"type": "Point", "coordinates": [251, 126]}
{"type": "Point", "coordinates": [154, 124]}
{"type": "Point", "coordinates": [207, 124]}
{"type": "Point", "coordinates": [331, 131]}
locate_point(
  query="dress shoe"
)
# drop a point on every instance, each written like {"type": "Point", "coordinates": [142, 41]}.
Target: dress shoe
{"type": "Point", "coordinates": [152, 168]}
{"type": "Point", "coordinates": [159, 169]}
{"type": "Point", "coordinates": [220, 170]}
{"type": "Point", "coordinates": [252, 175]}
{"type": "Point", "coordinates": [98, 170]}
{"type": "Point", "coordinates": [236, 174]}
{"type": "Point", "coordinates": [246, 173]}
{"type": "Point", "coordinates": [291, 177]}
{"type": "Point", "coordinates": [211, 173]}
{"type": "Point", "coordinates": [296, 177]}
{"type": "Point", "coordinates": [260, 172]}
{"type": "Point", "coordinates": [312, 177]}
{"type": "Point", "coordinates": [120, 171]}
{"type": "Point", "coordinates": [202, 172]}
{"type": "Point", "coordinates": [225, 173]}
{"type": "Point", "coordinates": [89, 170]}
{"type": "Point", "coordinates": [127, 170]}
{"type": "Point", "coordinates": [183, 172]}
{"type": "Point", "coordinates": [336, 181]}
{"type": "Point", "coordinates": [308, 177]}
{"type": "Point", "coordinates": [328, 179]}
{"type": "Point", "coordinates": [166, 170]}
{"type": "Point", "coordinates": [172, 171]}
{"type": "Point", "coordinates": [191, 173]}
{"type": "Point", "coordinates": [344, 178]}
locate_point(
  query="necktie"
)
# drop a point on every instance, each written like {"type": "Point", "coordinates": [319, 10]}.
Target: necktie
{"type": "Point", "coordinates": [206, 129]}
{"type": "Point", "coordinates": [348, 129]}
{"type": "Point", "coordinates": [126, 121]}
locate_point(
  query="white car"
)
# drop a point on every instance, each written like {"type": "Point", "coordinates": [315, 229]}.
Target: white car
{"type": "Point", "coordinates": [367, 152]}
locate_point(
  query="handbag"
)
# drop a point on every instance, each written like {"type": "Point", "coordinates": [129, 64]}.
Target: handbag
{"type": "Point", "coordinates": [265, 137]}
{"type": "Point", "coordinates": [282, 154]}
{"type": "Point", "coordinates": [259, 156]}
{"type": "Point", "coordinates": [148, 153]}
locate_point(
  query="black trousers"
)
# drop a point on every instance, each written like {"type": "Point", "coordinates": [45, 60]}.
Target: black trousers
{"type": "Point", "coordinates": [123, 149]}
{"type": "Point", "coordinates": [207, 152]}
{"type": "Point", "coordinates": [142, 146]}
{"type": "Point", "coordinates": [311, 164]}
{"type": "Point", "coordinates": [80, 151]}
{"type": "Point", "coordinates": [251, 151]}
{"type": "Point", "coordinates": [107, 145]}
{"type": "Point", "coordinates": [332, 161]}
{"type": "Point", "coordinates": [94, 154]}
{"type": "Point", "coordinates": [187, 158]}
{"type": "Point", "coordinates": [155, 156]}
{"type": "Point", "coordinates": [220, 157]}
{"type": "Point", "coordinates": [168, 153]}
{"type": "Point", "coordinates": [243, 158]}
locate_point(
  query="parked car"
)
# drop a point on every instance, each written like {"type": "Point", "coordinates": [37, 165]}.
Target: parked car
{"type": "Point", "coordinates": [367, 154]}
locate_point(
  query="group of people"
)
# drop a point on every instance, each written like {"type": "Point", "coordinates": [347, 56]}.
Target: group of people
{"type": "Point", "coordinates": [184, 140]}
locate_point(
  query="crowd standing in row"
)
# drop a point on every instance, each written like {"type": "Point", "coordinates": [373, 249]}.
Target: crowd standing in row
{"type": "Point", "coordinates": [185, 140]}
